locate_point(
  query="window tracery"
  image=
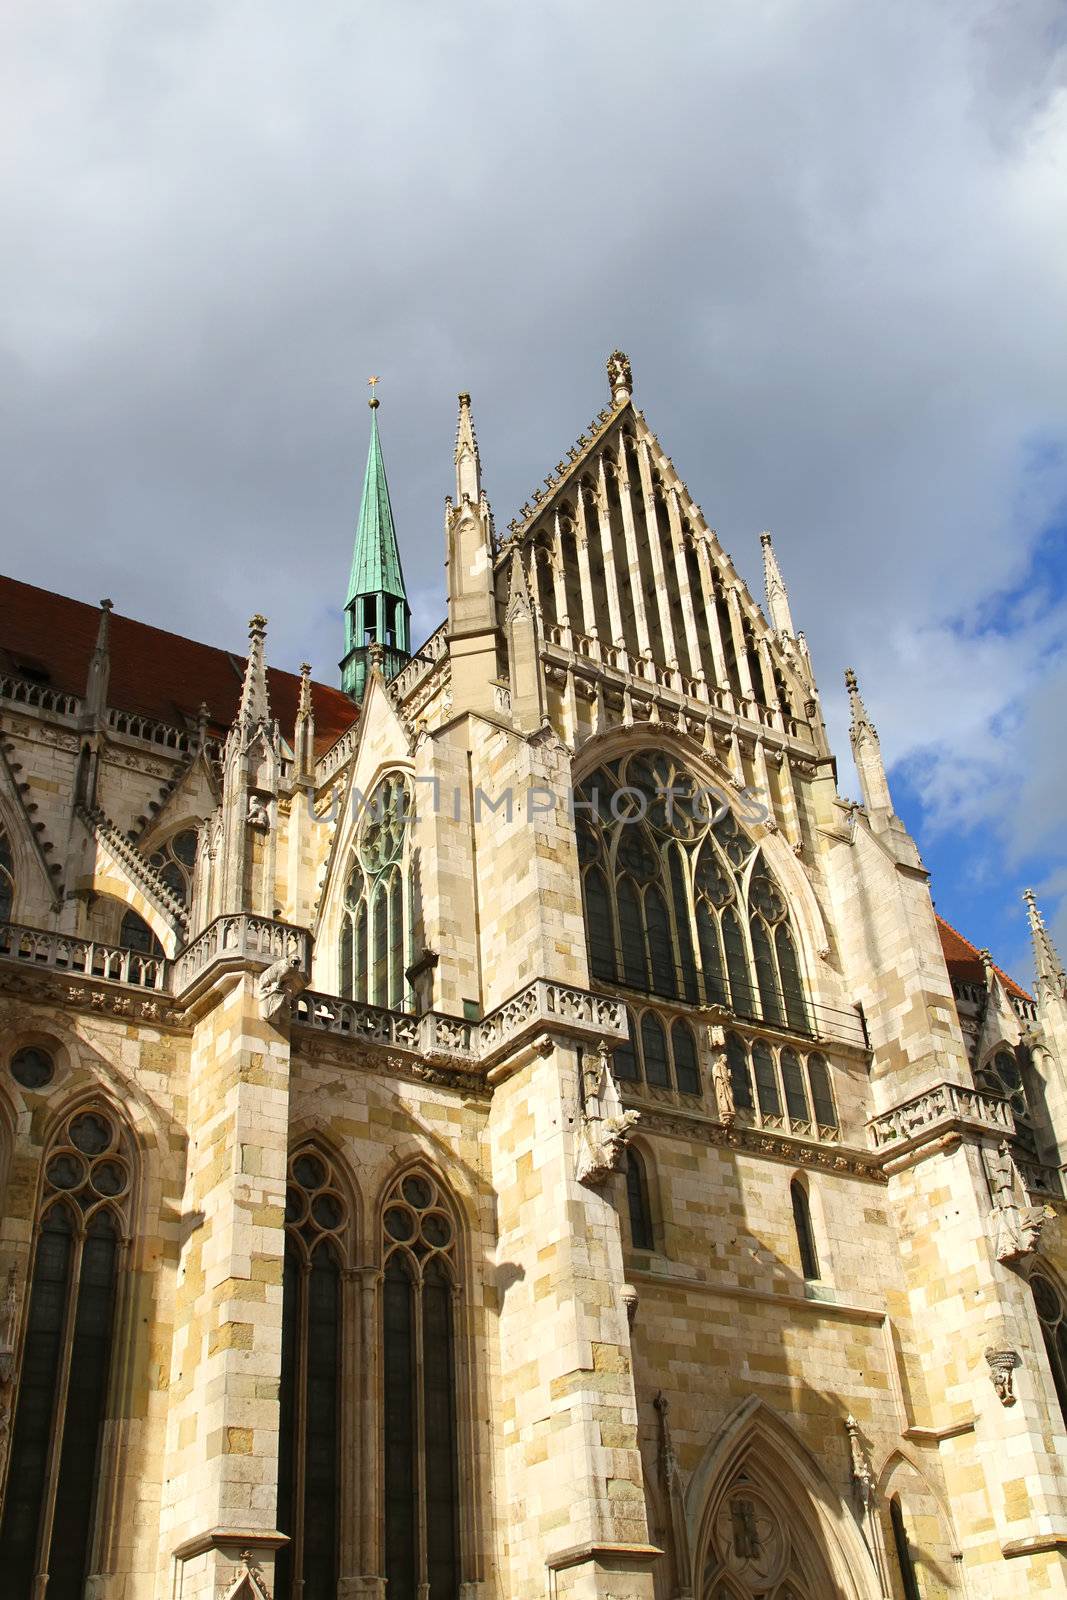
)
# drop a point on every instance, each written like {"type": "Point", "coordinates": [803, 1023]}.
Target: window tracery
{"type": "Point", "coordinates": [1003, 1075]}
{"type": "Point", "coordinates": [375, 938]}
{"type": "Point", "coordinates": [1052, 1315]}
{"type": "Point", "coordinates": [753, 1552]}
{"type": "Point", "coordinates": [82, 1220]}
{"type": "Point", "coordinates": [679, 902]}
{"type": "Point", "coordinates": [317, 1221]}
{"type": "Point", "coordinates": [175, 861]}
{"type": "Point", "coordinates": [420, 1286]}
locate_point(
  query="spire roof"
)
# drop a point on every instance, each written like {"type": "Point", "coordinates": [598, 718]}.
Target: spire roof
{"type": "Point", "coordinates": [376, 557]}
{"type": "Point", "coordinates": [1047, 963]}
{"type": "Point", "coordinates": [254, 705]}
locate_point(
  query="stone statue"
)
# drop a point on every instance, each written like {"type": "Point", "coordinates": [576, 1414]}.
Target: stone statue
{"type": "Point", "coordinates": [280, 985]}
{"type": "Point", "coordinates": [720, 1078]}
{"type": "Point", "coordinates": [605, 1126]}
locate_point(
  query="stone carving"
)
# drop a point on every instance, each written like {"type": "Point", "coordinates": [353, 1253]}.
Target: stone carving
{"type": "Point", "coordinates": [1002, 1363]}
{"type": "Point", "coordinates": [720, 1078]}
{"type": "Point", "coordinates": [279, 987]}
{"type": "Point", "coordinates": [862, 1476]}
{"type": "Point", "coordinates": [620, 374]}
{"type": "Point", "coordinates": [605, 1126]}
{"type": "Point", "coordinates": [1015, 1227]}
{"type": "Point", "coordinates": [258, 815]}
{"type": "Point", "coordinates": [631, 1300]}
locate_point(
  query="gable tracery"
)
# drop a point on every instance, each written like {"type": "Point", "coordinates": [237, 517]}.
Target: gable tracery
{"type": "Point", "coordinates": [618, 563]}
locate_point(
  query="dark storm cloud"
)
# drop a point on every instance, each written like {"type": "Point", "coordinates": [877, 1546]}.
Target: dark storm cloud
{"type": "Point", "coordinates": [831, 237]}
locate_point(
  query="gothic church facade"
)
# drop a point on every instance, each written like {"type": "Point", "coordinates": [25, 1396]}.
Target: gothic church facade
{"type": "Point", "coordinates": [508, 1125]}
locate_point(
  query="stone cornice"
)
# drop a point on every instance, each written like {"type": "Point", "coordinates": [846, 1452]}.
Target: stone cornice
{"type": "Point", "coordinates": [843, 1159]}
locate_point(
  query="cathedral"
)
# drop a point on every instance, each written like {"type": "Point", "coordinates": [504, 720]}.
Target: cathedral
{"type": "Point", "coordinates": [509, 1125]}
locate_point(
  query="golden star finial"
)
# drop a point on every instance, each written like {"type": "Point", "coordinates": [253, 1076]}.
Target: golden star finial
{"type": "Point", "coordinates": [371, 381]}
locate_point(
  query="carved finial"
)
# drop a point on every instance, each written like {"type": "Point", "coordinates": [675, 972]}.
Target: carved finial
{"type": "Point", "coordinates": [620, 377]}
{"type": "Point", "coordinates": [774, 586]}
{"type": "Point", "coordinates": [304, 733]}
{"type": "Point", "coordinates": [255, 703]}
{"type": "Point", "coordinates": [468, 461]}
{"type": "Point", "coordinates": [1051, 980]}
{"type": "Point", "coordinates": [866, 750]}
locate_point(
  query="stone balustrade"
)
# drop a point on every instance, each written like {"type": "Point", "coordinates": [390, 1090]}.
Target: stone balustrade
{"type": "Point", "coordinates": [87, 958]}
{"type": "Point", "coordinates": [240, 937]}
{"type": "Point", "coordinates": [162, 734]}
{"type": "Point", "coordinates": [38, 696]}
{"type": "Point", "coordinates": [540, 1007]}
{"type": "Point", "coordinates": [939, 1107]}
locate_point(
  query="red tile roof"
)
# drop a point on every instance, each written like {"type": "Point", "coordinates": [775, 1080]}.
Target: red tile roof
{"type": "Point", "coordinates": [154, 673]}
{"type": "Point", "coordinates": [964, 962]}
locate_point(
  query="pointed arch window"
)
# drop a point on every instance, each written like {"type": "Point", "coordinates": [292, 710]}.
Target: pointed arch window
{"type": "Point", "coordinates": [135, 934]}
{"type": "Point", "coordinates": [678, 902]}
{"type": "Point", "coordinates": [48, 1524]}
{"type": "Point", "coordinates": [1003, 1075]}
{"type": "Point", "coordinates": [317, 1228]}
{"type": "Point", "coordinates": [374, 944]}
{"type": "Point", "coordinates": [175, 861]}
{"type": "Point", "coordinates": [658, 1054]}
{"type": "Point", "coordinates": [7, 877]}
{"type": "Point", "coordinates": [902, 1547]}
{"type": "Point", "coordinates": [1051, 1314]}
{"type": "Point", "coordinates": [420, 1285]}
{"type": "Point", "coordinates": [809, 1260]}
{"type": "Point", "coordinates": [778, 1086]}
{"type": "Point", "coordinates": [637, 1203]}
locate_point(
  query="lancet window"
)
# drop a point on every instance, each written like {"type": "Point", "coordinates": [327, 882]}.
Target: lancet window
{"type": "Point", "coordinates": [174, 861]}
{"type": "Point", "coordinates": [1052, 1315]}
{"type": "Point", "coordinates": [7, 877]}
{"type": "Point", "coordinates": [781, 1087]}
{"type": "Point", "coordinates": [679, 902]}
{"type": "Point", "coordinates": [1003, 1075]}
{"type": "Point", "coordinates": [420, 1284]}
{"type": "Point", "coordinates": [317, 1230]}
{"type": "Point", "coordinates": [375, 938]}
{"type": "Point", "coordinates": [46, 1536]}
{"type": "Point", "coordinates": [809, 1259]}
{"type": "Point", "coordinates": [637, 1201]}
{"type": "Point", "coordinates": [659, 1052]}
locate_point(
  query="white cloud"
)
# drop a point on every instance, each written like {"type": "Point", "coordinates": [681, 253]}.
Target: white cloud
{"type": "Point", "coordinates": [830, 235]}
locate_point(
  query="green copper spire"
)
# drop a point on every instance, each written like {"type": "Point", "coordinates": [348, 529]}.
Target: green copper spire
{"type": "Point", "coordinates": [376, 611]}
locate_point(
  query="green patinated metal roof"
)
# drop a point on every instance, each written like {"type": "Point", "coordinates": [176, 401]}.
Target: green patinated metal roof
{"type": "Point", "coordinates": [376, 559]}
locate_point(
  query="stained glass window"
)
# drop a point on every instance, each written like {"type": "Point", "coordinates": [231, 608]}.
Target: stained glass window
{"type": "Point", "coordinates": [48, 1515]}
{"type": "Point", "coordinates": [664, 873]}
{"type": "Point", "coordinates": [421, 1457]}
{"type": "Point", "coordinates": [316, 1234]}
{"type": "Point", "coordinates": [374, 942]}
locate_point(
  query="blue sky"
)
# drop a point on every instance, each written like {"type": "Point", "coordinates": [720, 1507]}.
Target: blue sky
{"type": "Point", "coordinates": [831, 236]}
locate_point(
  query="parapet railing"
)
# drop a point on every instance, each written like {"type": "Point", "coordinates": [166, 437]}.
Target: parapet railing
{"type": "Point", "coordinates": [239, 935]}
{"type": "Point", "coordinates": [940, 1104]}
{"type": "Point", "coordinates": [541, 1006]}
{"type": "Point", "coordinates": [39, 696]}
{"type": "Point", "coordinates": [87, 958]}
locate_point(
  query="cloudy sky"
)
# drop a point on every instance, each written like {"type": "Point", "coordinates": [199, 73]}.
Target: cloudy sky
{"type": "Point", "coordinates": [832, 237]}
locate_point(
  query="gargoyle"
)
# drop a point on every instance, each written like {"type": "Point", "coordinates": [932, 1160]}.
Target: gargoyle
{"type": "Point", "coordinates": [279, 987]}
{"type": "Point", "coordinates": [605, 1125]}
{"type": "Point", "coordinates": [1015, 1227]}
